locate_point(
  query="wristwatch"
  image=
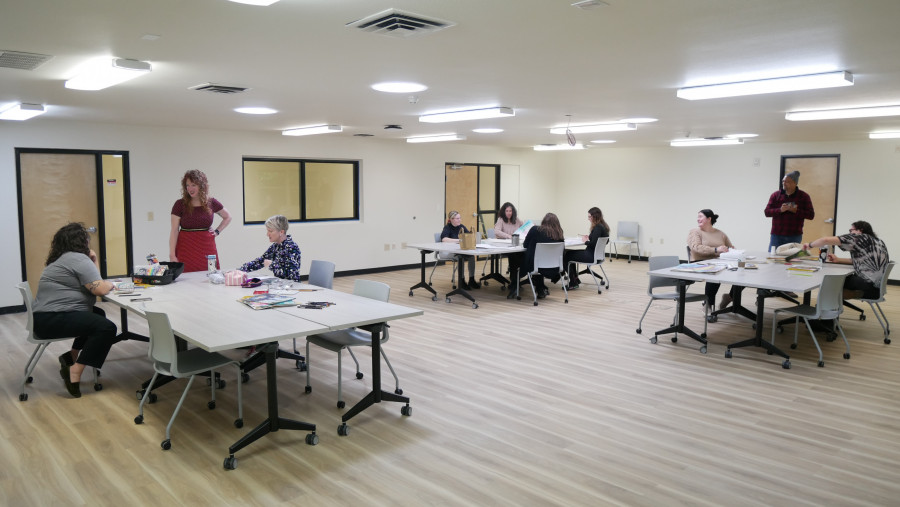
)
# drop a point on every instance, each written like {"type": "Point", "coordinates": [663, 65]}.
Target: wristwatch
{"type": "Point", "coordinates": [217, 232]}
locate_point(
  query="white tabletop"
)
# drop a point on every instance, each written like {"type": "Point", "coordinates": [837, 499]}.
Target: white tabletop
{"type": "Point", "coordinates": [487, 247]}
{"type": "Point", "coordinates": [771, 276]}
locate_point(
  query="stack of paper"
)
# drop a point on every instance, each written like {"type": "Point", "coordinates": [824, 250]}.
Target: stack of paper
{"type": "Point", "coordinates": [263, 301]}
{"type": "Point", "coordinates": [698, 267]}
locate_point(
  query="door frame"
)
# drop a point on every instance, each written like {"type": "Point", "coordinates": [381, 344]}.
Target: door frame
{"type": "Point", "coordinates": [101, 234]}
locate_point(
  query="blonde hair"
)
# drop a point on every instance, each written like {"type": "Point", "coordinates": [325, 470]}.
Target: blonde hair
{"type": "Point", "coordinates": [277, 223]}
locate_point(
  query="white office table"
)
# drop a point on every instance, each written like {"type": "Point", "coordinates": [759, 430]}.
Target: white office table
{"type": "Point", "coordinates": [769, 279]}
{"type": "Point", "coordinates": [209, 316]}
{"type": "Point", "coordinates": [492, 247]}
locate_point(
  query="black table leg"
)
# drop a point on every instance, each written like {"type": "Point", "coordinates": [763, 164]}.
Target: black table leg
{"type": "Point", "coordinates": [273, 422]}
{"type": "Point", "coordinates": [422, 283]}
{"type": "Point", "coordinates": [495, 272]}
{"type": "Point", "coordinates": [680, 327]}
{"type": "Point", "coordinates": [757, 340]}
{"type": "Point", "coordinates": [460, 284]}
{"type": "Point", "coordinates": [736, 308]}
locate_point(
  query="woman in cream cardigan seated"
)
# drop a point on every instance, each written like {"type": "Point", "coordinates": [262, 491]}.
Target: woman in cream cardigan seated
{"type": "Point", "coordinates": [507, 221]}
{"type": "Point", "coordinates": [707, 242]}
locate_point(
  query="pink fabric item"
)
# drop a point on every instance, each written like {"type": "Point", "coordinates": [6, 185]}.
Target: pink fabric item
{"type": "Point", "coordinates": [235, 277]}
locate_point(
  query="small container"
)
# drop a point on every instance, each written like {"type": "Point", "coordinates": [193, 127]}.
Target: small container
{"type": "Point", "coordinates": [515, 240]}
{"type": "Point", "coordinates": [210, 264]}
{"type": "Point", "coordinates": [823, 254]}
{"type": "Point", "coordinates": [151, 259]}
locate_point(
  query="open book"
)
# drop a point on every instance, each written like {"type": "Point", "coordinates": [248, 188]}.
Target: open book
{"type": "Point", "coordinates": [698, 267]}
{"type": "Point", "coordinates": [523, 230]}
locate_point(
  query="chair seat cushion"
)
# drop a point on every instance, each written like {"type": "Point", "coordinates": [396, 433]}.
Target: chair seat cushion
{"type": "Point", "coordinates": [193, 361]}
{"type": "Point", "coordinates": [336, 340]}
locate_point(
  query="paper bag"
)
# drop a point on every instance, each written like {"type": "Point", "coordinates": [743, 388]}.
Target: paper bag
{"type": "Point", "coordinates": [467, 241]}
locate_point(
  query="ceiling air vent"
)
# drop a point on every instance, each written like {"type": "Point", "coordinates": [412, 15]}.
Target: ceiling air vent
{"type": "Point", "coordinates": [215, 88]}
{"type": "Point", "coordinates": [20, 60]}
{"type": "Point", "coordinates": [397, 23]}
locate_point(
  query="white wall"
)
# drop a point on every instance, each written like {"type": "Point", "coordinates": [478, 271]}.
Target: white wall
{"type": "Point", "coordinates": [402, 188]}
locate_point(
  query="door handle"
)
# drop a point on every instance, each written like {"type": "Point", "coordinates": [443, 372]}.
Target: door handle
{"type": "Point", "coordinates": [829, 220]}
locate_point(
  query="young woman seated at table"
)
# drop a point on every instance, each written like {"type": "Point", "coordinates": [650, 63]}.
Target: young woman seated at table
{"type": "Point", "coordinates": [599, 229]}
{"type": "Point", "coordinates": [707, 242]}
{"type": "Point", "coordinates": [507, 221]}
{"type": "Point", "coordinates": [869, 257]}
{"type": "Point", "coordinates": [282, 256]}
{"type": "Point", "coordinates": [450, 234]}
{"type": "Point", "coordinates": [550, 231]}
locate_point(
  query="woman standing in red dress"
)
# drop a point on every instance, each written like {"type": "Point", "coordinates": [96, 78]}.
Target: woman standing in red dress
{"type": "Point", "coordinates": [193, 236]}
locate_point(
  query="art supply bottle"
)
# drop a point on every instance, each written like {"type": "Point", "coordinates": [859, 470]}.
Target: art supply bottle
{"type": "Point", "coordinates": [210, 264]}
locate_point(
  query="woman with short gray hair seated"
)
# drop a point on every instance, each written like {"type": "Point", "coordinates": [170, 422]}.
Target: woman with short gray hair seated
{"type": "Point", "coordinates": [282, 256]}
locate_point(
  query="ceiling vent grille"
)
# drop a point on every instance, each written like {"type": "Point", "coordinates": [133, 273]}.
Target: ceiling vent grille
{"type": "Point", "coordinates": [397, 23]}
{"type": "Point", "coordinates": [20, 60]}
{"type": "Point", "coordinates": [216, 88]}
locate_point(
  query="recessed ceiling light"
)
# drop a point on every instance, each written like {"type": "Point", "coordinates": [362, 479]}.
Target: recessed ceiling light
{"type": "Point", "coordinates": [638, 120]}
{"type": "Point", "coordinates": [255, 110]}
{"type": "Point", "coordinates": [558, 147]}
{"type": "Point", "coordinates": [487, 131]}
{"type": "Point", "coordinates": [399, 87]}
{"type": "Point", "coordinates": [884, 135]}
{"type": "Point", "coordinates": [105, 72]}
{"type": "Point", "coordinates": [20, 112]}
{"type": "Point", "coordinates": [713, 141]}
{"type": "Point", "coordinates": [603, 141]}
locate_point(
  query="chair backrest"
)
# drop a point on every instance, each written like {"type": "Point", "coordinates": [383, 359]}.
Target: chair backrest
{"type": "Point", "coordinates": [884, 279]}
{"type": "Point", "coordinates": [600, 250]}
{"type": "Point", "coordinates": [441, 255]}
{"type": "Point", "coordinates": [373, 290]}
{"type": "Point", "coordinates": [627, 230]}
{"type": "Point", "coordinates": [491, 234]}
{"type": "Point", "coordinates": [548, 255]}
{"type": "Point", "coordinates": [25, 290]}
{"type": "Point", "coordinates": [661, 262]}
{"type": "Point", "coordinates": [162, 341]}
{"type": "Point", "coordinates": [830, 301]}
{"type": "Point", "coordinates": [689, 252]}
{"type": "Point", "coordinates": [321, 273]}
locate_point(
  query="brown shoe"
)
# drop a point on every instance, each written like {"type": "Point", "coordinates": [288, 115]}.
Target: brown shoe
{"type": "Point", "coordinates": [726, 300]}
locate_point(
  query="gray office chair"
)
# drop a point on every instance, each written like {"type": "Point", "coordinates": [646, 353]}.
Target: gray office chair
{"type": "Point", "coordinates": [321, 274]}
{"type": "Point", "coordinates": [444, 256]}
{"type": "Point", "coordinates": [40, 344]}
{"type": "Point", "coordinates": [829, 306]}
{"type": "Point", "coordinates": [548, 256]}
{"type": "Point", "coordinates": [337, 341]}
{"type": "Point", "coordinates": [656, 282]}
{"type": "Point", "coordinates": [599, 258]}
{"type": "Point", "coordinates": [490, 235]}
{"type": "Point", "coordinates": [168, 360]}
{"type": "Point", "coordinates": [627, 234]}
{"type": "Point", "coordinates": [875, 304]}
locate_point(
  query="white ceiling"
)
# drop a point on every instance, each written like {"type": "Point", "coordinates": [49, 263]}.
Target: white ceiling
{"type": "Point", "coordinates": [544, 58]}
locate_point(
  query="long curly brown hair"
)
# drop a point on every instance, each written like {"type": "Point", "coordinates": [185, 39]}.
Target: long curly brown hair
{"type": "Point", "coordinates": [551, 227]}
{"type": "Point", "coordinates": [72, 237]}
{"type": "Point", "coordinates": [597, 218]}
{"type": "Point", "coordinates": [197, 177]}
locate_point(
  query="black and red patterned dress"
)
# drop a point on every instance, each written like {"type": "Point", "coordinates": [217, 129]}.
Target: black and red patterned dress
{"type": "Point", "coordinates": [195, 240]}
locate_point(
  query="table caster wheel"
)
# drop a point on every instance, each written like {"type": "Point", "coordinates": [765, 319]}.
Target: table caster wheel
{"type": "Point", "coordinates": [727, 353]}
{"type": "Point", "coordinates": [398, 391]}
{"type": "Point", "coordinates": [23, 397]}
{"type": "Point", "coordinates": [341, 404]}
{"type": "Point", "coordinates": [712, 319]}
{"type": "Point", "coordinates": [821, 364]}
{"type": "Point", "coordinates": [485, 283]}
{"type": "Point", "coordinates": [312, 439]}
{"type": "Point", "coordinates": [406, 410]}
{"type": "Point", "coordinates": [703, 349]}
{"type": "Point", "coordinates": [211, 405]}
{"type": "Point", "coordinates": [862, 316]}
{"type": "Point", "coordinates": [245, 377]}
{"type": "Point", "coordinates": [434, 298]}
{"type": "Point", "coordinates": [638, 330]}
{"type": "Point", "coordinates": [238, 423]}
{"type": "Point", "coordinates": [410, 294]}
{"type": "Point", "coordinates": [703, 335]}
{"type": "Point", "coordinates": [653, 339]}
{"type": "Point", "coordinates": [301, 365]}
{"type": "Point", "coordinates": [230, 463]}
{"type": "Point", "coordinates": [674, 339]}
{"type": "Point", "coordinates": [307, 389]}
{"type": "Point", "coordinates": [786, 364]}
{"type": "Point", "coordinates": [793, 345]}
{"type": "Point", "coordinates": [502, 288]}
{"type": "Point", "coordinates": [29, 380]}
{"type": "Point", "coordinates": [446, 300]}
{"type": "Point", "coordinates": [139, 419]}
{"type": "Point", "coordinates": [359, 375]}
{"type": "Point", "coordinates": [166, 444]}
{"type": "Point", "coordinates": [98, 387]}
{"type": "Point", "coordinates": [343, 430]}
{"type": "Point", "coordinates": [846, 355]}
{"type": "Point", "coordinates": [474, 305]}
{"type": "Point", "coordinates": [535, 303]}
{"type": "Point", "coordinates": [887, 341]}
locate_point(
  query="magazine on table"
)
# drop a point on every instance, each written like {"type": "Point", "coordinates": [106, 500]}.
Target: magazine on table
{"type": "Point", "coordinates": [263, 301]}
{"type": "Point", "coordinates": [699, 267]}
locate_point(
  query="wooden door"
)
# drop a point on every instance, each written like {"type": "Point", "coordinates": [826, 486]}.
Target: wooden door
{"type": "Point", "coordinates": [461, 194]}
{"type": "Point", "coordinates": [818, 178]}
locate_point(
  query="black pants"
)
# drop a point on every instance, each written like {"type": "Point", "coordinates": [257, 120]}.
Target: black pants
{"type": "Point", "coordinates": [713, 288]}
{"type": "Point", "coordinates": [856, 282]}
{"type": "Point", "coordinates": [94, 333]}
{"type": "Point", "coordinates": [582, 256]}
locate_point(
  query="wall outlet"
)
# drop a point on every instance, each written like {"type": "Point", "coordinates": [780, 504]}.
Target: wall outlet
{"type": "Point", "coordinates": [149, 216]}
{"type": "Point", "coordinates": [403, 245]}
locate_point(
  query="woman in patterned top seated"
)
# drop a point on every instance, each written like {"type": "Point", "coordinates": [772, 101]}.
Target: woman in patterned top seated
{"type": "Point", "coordinates": [869, 257]}
{"type": "Point", "coordinates": [282, 256]}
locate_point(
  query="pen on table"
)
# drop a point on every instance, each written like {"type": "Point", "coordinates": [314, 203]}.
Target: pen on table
{"type": "Point", "coordinates": [142, 299]}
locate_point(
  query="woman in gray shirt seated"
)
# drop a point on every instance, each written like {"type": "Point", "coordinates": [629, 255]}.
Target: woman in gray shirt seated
{"type": "Point", "coordinates": [64, 305]}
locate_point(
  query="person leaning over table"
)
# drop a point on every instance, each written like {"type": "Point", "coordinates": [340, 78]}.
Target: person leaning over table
{"type": "Point", "coordinates": [508, 221]}
{"type": "Point", "coordinates": [599, 229]}
{"type": "Point", "coordinates": [64, 306]}
{"type": "Point", "coordinates": [193, 237]}
{"type": "Point", "coordinates": [869, 257]}
{"type": "Point", "coordinates": [550, 231]}
{"type": "Point", "coordinates": [450, 234]}
{"type": "Point", "coordinates": [282, 256]}
{"type": "Point", "coordinates": [707, 242]}
{"type": "Point", "coordinates": [788, 208]}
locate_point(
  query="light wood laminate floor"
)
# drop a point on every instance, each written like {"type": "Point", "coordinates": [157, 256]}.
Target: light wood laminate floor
{"type": "Point", "coordinates": [560, 404]}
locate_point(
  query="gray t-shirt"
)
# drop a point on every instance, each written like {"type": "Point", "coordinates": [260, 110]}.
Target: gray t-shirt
{"type": "Point", "coordinates": [61, 288]}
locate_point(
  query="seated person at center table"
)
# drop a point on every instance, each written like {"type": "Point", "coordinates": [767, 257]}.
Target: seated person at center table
{"type": "Point", "coordinates": [869, 257]}
{"type": "Point", "coordinates": [599, 229]}
{"type": "Point", "coordinates": [707, 242]}
{"type": "Point", "coordinates": [550, 231]}
{"type": "Point", "coordinates": [508, 221]}
{"type": "Point", "coordinates": [282, 256]}
{"type": "Point", "coordinates": [450, 234]}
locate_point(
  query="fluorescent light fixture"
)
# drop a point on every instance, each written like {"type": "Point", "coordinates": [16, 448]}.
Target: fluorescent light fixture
{"type": "Point", "coordinates": [436, 139]}
{"type": "Point", "coordinates": [308, 131]}
{"type": "Point", "coordinates": [21, 112]}
{"type": "Point", "coordinates": [590, 4]}
{"type": "Point", "coordinates": [876, 135]}
{"type": "Point", "coordinates": [255, 110]}
{"type": "Point", "coordinates": [741, 136]}
{"type": "Point", "coordinates": [773, 85]}
{"type": "Point", "coordinates": [472, 114]}
{"type": "Point", "coordinates": [839, 114]}
{"type": "Point", "coordinates": [399, 87]}
{"type": "Point", "coordinates": [487, 131]}
{"type": "Point", "coordinates": [603, 141]}
{"type": "Point", "coordinates": [105, 72]}
{"type": "Point", "coordinates": [600, 127]}
{"type": "Point", "coordinates": [264, 3]}
{"type": "Point", "coordinates": [639, 119]}
{"type": "Point", "coordinates": [557, 147]}
{"type": "Point", "coordinates": [706, 142]}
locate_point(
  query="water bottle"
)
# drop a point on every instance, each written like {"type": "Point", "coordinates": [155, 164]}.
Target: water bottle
{"type": "Point", "coordinates": [210, 264]}
{"type": "Point", "coordinates": [515, 240]}
{"type": "Point", "coordinates": [823, 254]}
